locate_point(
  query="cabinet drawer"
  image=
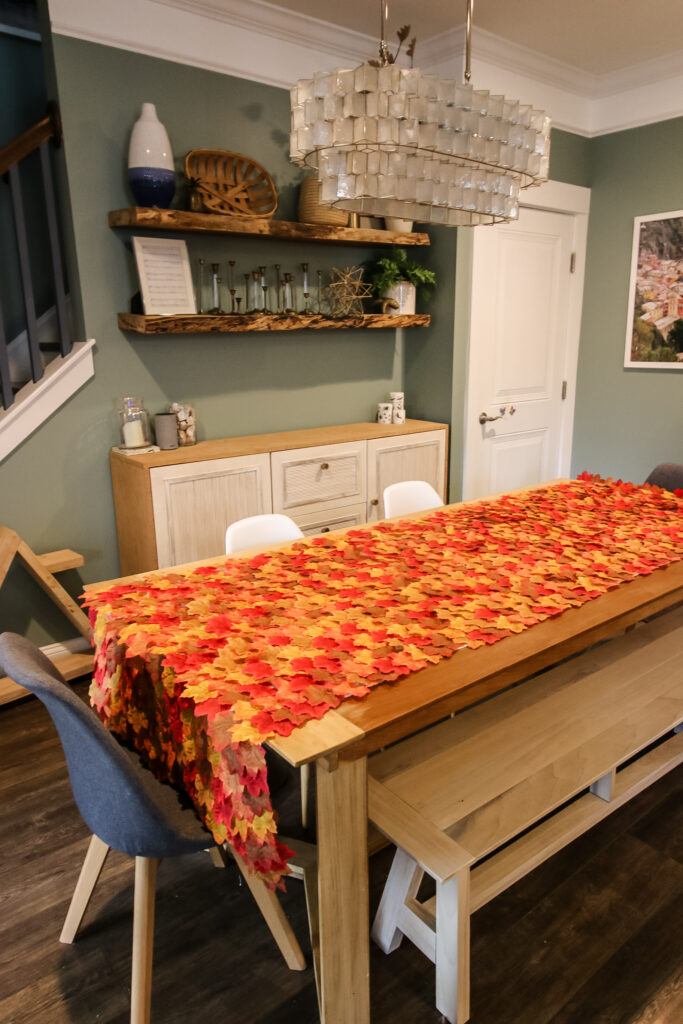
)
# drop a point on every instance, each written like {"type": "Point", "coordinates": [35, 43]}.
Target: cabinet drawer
{"type": "Point", "coordinates": [331, 519]}
{"type": "Point", "coordinates": [312, 479]}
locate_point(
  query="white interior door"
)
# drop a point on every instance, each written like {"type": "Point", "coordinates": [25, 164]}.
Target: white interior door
{"type": "Point", "coordinates": [522, 351]}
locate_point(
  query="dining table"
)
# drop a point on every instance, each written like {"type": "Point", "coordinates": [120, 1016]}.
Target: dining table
{"type": "Point", "coordinates": [500, 654]}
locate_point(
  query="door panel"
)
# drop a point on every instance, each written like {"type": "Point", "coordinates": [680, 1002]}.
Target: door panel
{"type": "Point", "coordinates": [195, 503]}
{"type": "Point", "coordinates": [518, 352]}
{"type": "Point", "coordinates": [517, 460]}
{"type": "Point", "coordinates": [411, 457]}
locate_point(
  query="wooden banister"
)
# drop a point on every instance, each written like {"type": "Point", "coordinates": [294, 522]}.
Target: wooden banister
{"type": "Point", "coordinates": [49, 128]}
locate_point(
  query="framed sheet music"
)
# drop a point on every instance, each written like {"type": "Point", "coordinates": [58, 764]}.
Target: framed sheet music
{"type": "Point", "coordinates": [165, 278]}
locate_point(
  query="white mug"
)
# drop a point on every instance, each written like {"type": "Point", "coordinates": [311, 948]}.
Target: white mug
{"type": "Point", "coordinates": [397, 398]}
{"type": "Point", "coordinates": [384, 412]}
{"type": "Point", "coordinates": [399, 415]}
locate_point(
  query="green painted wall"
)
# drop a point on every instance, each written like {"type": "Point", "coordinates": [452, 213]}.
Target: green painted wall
{"type": "Point", "coordinates": [627, 420]}
{"type": "Point", "coordinates": [55, 488]}
{"type": "Point", "coordinates": [570, 158]}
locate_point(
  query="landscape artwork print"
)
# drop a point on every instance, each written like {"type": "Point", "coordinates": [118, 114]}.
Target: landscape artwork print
{"type": "Point", "coordinates": [654, 338]}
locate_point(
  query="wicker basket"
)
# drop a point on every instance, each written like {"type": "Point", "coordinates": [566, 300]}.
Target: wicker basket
{"type": "Point", "coordinates": [231, 183]}
{"type": "Point", "coordinates": [310, 210]}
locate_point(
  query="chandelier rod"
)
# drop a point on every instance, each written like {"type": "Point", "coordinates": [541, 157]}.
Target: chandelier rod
{"type": "Point", "coordinates": [384, 17]}
{"type": "Point", "coordinates": [468, 41]}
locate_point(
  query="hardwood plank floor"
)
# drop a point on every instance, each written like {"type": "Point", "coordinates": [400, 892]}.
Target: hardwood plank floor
{"type": "Point", "coordinates": [591, 937]}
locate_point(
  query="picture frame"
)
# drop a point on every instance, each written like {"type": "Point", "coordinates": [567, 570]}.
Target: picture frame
{"type": "Point", "coordinates": [165, 278]}
{"type": "Point", "coordinates": [654, 334]}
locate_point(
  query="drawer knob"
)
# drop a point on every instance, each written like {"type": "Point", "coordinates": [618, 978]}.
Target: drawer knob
{"type": "Point", "coordinates": [375, 501]}
{"type": "Point", "coordinates": [324, 465]}
{"type": "Point", "coordinates": [325, 529]}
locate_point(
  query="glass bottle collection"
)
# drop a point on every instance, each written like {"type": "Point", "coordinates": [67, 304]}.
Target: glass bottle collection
{"type": "Point", "coordinates": [261, 291]}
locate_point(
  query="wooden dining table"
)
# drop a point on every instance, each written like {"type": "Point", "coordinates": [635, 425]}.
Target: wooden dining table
{"type": "Point", "coordinates": [340, 743]}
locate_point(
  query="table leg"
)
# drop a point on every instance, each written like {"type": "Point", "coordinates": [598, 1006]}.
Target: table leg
{"type": "Point", "coordinates": [343, 891]}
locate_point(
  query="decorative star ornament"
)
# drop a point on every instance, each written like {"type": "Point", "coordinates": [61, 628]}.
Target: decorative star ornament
{"type": "Point", "coordinates": [346, 291]}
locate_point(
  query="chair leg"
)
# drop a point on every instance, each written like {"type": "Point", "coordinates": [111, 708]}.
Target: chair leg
{"type": "Point", "coordinates": [87, 880]}
{"type": "Point", "coordinates": [219, 856]}
{"type": "Point", "coordinates": [275, 917]}
{"type": "Point", "coordinates": [305, 776]}
{"type": "Point", "coordinates": [143, 939]}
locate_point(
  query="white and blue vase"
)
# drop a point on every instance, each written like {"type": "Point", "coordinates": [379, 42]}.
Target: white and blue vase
{"type": "Point", "coordinates": [150, 161]}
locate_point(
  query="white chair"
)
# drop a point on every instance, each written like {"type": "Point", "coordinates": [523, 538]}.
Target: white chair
{"type": "Point", "coordinates": [259, 532]}
{"type": "Point", "coordinates": [409, 496]}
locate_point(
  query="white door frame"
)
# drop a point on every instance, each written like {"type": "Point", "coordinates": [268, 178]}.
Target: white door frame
{"type": "Point", "coordinates": [555, 197]}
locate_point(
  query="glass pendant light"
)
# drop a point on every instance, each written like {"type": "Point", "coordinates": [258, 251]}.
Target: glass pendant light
{"type": "Point", "coordinates": [391, 142]}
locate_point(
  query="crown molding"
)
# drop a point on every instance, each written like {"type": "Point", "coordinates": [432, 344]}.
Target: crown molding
{"type": "Point", "coordinates": [283, 25]}
{"type": "Point", "coordinates": [257, 40]}
{"type": "Point", "coordinates": [649, 72]}
{"type": "Point", "coordinates": [492, 49]}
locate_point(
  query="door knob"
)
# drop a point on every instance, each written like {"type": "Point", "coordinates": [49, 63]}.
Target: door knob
{"type": "Point", "coordinates": [483, 418]}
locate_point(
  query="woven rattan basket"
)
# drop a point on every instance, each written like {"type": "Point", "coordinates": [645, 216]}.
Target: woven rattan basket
{"type": "Point", "coordinates": [310, 210]}
{"type": "Point", "coordinates": [231, 183]}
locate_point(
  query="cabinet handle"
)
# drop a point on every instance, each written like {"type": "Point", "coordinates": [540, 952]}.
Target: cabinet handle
{"type": "Point", "coordinates": [324, 465]}
{"type": "Point", "coordinates": [375, 501]}
{"type": "Point", "coordinates": [325, 529]}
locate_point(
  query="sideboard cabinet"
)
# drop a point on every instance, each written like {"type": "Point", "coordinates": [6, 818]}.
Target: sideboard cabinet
{"type": "Point", "coordinates": [174, 506]}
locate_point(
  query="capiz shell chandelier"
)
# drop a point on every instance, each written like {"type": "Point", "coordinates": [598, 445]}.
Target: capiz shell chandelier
{"type": "Point", "coordinates": [391, 142]}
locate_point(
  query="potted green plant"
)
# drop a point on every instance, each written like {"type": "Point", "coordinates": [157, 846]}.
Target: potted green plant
{"type": "Point", "coordinates": [396, 279]}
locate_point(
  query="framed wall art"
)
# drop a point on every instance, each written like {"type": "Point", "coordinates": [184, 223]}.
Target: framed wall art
{"type": "Point", "coordinates": [654, 336]}
{"type": "Point", "coordinates": [164, 272]}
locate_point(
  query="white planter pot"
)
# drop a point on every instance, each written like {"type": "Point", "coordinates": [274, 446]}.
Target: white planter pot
{"type": "Point", "coordinates": [150, 160]}
{"type": "Point", "coordinates": [404, 294]}
{"type": "Point", "coordinates": [398, 224]}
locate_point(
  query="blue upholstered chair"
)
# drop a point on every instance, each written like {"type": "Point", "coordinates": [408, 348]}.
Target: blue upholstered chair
{"type": "Point", "coordinates": [126, 808]}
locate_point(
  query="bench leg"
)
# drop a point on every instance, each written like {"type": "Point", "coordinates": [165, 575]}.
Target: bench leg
{"type": "Point", "coordinates": [402, 885]}
{"type": "Point", "coordinates": [453, 948]}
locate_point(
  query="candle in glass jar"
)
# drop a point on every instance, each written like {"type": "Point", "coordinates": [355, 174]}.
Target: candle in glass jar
{"type": "Point", "coordinates": [133, 434]}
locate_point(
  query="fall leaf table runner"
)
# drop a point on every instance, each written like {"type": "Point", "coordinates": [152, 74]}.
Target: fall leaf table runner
{"type": "Point", "coordinates": [197, 668]}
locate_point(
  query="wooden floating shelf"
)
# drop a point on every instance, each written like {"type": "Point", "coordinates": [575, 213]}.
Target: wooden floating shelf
{"type": "Point", "coordinates": [187, 323]}
{"type": "Point", "coordinates": [218, 223]}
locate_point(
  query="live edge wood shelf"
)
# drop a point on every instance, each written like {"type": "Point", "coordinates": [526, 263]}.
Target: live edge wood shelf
{"type": "Point", "coordinates": [195, 324]}
{"type": "Point", "coordinates": [217, 223]}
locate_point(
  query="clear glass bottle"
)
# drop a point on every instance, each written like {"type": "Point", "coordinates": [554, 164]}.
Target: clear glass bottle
{"type": "Point", "coordinates": [134, 426]}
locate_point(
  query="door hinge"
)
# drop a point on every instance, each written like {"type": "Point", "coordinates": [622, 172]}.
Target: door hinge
{"type": "Point", "coordinates": [572, 263]}
{"type": "Point", "coordinates": [564, 390]}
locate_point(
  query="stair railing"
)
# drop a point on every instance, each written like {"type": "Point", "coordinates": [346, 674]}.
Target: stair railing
{"type": "Point", "coordinates": [37, 137]}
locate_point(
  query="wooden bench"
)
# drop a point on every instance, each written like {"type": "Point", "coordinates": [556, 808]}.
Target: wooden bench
{"type": "Point", "coordinates": [513, 780]}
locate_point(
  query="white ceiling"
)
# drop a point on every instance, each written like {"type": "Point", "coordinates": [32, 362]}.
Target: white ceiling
{"type": "Point", "coordinates": [596, 36]}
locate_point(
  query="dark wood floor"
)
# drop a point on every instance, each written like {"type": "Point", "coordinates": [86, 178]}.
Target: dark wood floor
{"type": "Point", "coordinates": [592, 937]}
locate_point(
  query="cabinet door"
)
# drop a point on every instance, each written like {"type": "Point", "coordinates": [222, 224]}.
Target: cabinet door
{"type": "Point", "coordinates": [322, 477]}
{"type": "Point", "coordinates": [406, 457]}
{"type": "Point", "coordinates": [331, 519]}
{"type": "Point", "coordinates": [194, 503]}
